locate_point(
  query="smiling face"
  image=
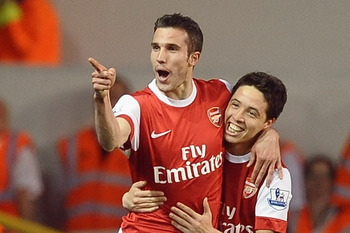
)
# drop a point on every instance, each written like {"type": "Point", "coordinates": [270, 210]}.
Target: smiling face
{"type": "Point", "coordinates": [245, 117]}
{"type": "Point", "coordinates": [172, 66]}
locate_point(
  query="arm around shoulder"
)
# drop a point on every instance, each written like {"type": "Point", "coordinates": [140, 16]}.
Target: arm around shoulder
{"type": "Point", "coordinates": [266, 155]}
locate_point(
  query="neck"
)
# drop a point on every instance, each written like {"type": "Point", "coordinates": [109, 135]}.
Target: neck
{"type": "Point", "coordinates": [241, 148]}
{"type": "Point", "coordinates": [181, 92]}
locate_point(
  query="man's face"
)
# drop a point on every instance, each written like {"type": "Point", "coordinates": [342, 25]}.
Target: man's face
{"type": "Point", "coordinates": [245, 117]}
{"type": "Point", "coordinates": [172, 67]}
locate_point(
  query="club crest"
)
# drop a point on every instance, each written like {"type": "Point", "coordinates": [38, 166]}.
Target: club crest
{"type": "Point", "coordinates": [249, 189]}
{"type": "Point", "coordinates": [215, 116]}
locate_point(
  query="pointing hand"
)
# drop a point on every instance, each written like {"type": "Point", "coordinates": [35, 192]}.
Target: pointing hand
{"type": "Point", "coordinates": [102, 78]}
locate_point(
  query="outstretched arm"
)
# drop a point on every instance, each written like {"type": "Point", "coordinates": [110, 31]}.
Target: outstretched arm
{"type": "Point", "coordinates": [266, 152]}
{"type": "Point", "coordinates": [112, 132]}
{"type": "Point", "coordinates": [188, 221]}
{"type": "Point", "coordinates": [143, 201]}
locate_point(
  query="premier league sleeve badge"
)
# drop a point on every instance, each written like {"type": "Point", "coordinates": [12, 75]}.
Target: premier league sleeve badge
{"type": "Point", "coordinates": [278, 198]}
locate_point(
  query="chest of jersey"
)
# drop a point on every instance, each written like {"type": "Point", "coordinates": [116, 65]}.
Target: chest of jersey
{"type": "Point", "coordinates": [179, 150]}
{"type": "Point", "coordinates": [238, 199]}
{"type": "Point", "coordinates": [189, 139]}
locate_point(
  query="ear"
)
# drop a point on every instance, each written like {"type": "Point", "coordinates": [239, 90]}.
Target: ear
{"type": "Point", "coordinates": [194, 58]}
{"type": "Point", "coordinates": [269, 123]}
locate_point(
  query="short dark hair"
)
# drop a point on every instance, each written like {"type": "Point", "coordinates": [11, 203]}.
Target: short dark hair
{"type": "Point", "coordinates": [192, 29]}
{"type": "Point", "coordinates": [273, 89]}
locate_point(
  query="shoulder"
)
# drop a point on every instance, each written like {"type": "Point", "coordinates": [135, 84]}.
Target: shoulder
{"type": "Point", "coordinates": [285, 181]}
{"type": "Point", "coordinates": [214, 83]}
{"type": "Point", "coordinates": [127, 103]}
{"type": "Point", "coordinates": [280, 190]}
{"type": "Point", "coordinates": [216, 90]}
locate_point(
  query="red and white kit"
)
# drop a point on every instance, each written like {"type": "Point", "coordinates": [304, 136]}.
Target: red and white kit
{"type": "Point", "coordinates": [246, 208]}
{"type": "Point", "coordinates": [176, 146]}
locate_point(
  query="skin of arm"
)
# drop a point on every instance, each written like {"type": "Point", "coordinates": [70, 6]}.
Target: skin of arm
{"type": "Point", "coordinates": [266, 152]}
{"type": "Point", "coordinates": [112, 132]}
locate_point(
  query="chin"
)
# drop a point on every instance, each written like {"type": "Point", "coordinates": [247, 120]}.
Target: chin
{"type": "Point", "coordinates": [231, 139]}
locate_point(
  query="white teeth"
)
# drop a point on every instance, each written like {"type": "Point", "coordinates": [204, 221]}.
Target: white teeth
{"type": "Point", "coordinates": [234, 128]}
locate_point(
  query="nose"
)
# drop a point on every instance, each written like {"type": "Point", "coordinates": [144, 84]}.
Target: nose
{"type": "Point", "coordinates": [161, 58]}
{"type": "Point", "coordinates": [238, 115]}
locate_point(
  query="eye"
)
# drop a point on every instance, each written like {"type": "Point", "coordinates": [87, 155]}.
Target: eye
{"type": "Point", "coordinates": [253, 113]}
{"type": "Point", "coordinates": [155, 47]}
{"type": "Point", "coordinates": [172, 48]}
{"type": "Point", "coordinates": [234, 104]}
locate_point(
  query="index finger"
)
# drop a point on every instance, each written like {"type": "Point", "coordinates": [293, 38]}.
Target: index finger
{"type": "Point", "coordinates": [255, 172]}
{"type": "Point", "coordinates": [96, 65]}
{"type": "Point", "coordinates": [257, 165]}
{"type": "Point", "coordinates": [186, 209]}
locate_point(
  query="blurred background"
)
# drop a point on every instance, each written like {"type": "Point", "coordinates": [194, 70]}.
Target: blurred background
{"type": "Point", "coordinates": [304, 43]}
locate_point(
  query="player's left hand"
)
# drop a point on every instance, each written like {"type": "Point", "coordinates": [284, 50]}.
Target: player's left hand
{"type": "Point", "coordinates": [266, 152]}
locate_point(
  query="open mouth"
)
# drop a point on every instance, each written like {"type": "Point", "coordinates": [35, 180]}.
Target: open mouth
{"type": "Point", "coordinates": [234, 128]}
{"type": "Point", "coordinates": [163, 74]}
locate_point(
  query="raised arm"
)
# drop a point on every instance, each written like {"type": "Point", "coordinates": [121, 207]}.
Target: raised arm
{"type": "Point", "coordinates": [266, 152]}
{"type": "Point", "coordinates": [112, 132]}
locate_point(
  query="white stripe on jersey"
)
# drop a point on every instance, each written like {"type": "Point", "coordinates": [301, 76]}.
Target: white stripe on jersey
{"type": "Point", "coordinates": [127, 105]}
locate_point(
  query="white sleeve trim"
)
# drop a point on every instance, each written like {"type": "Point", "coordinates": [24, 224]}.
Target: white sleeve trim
{"type": "Point", "coordinates": [128, 105]}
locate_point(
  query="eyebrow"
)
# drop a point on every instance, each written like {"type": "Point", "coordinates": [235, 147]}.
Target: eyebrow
{"type": "Point", "coordinates": [234, 99]}
{"type": "Point", "coordinates": [166, 45]}
{"type": "Point", "coordinates": [249, 107]}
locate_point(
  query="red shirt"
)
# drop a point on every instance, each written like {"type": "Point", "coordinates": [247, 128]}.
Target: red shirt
{"type": "Point", "coordinates": [177, 147]}
{"type": "Point", "coordinates": [247, 208]}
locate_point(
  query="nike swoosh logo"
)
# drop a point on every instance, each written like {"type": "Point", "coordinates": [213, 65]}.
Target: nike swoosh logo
{"type": "Point", "coordinates": [157, 135]}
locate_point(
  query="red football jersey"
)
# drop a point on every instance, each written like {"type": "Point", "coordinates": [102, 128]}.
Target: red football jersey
{"type": "Point", "coordinates": [176, 146]}
{"type": "Point", "coordinates": [247, 208]}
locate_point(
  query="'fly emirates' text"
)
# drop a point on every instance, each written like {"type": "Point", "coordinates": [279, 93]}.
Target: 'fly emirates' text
{"type": "Point", "coordinates": [163, 175]}
{"type": "Point", "coordinates": [229, 227]}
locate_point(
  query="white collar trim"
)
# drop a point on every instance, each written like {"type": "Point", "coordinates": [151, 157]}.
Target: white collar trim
{"type": "Point", "coordinates": [175, 103]}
